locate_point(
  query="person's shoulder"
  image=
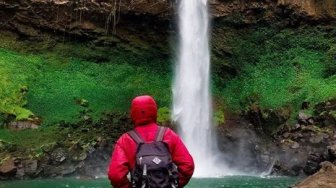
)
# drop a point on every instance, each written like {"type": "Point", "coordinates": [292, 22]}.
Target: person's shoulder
{"type": "Point", "coordinates": [168, 129]}
{"type": "Point", "coordinates": [123, 138]}
{"type": "Point", "coordinates": [170, 132]}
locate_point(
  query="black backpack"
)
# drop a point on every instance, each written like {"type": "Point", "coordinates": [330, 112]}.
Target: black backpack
{"type": "Point", "coordinates": [154, 167]}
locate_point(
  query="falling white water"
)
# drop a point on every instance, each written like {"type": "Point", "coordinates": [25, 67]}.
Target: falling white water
{"type": "Point", "coordinates": [192, 107]}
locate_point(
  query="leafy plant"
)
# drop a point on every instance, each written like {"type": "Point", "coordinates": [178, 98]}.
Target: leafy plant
{"type": "Point", "coordinates": [13, 84]}
{"type": "Point", "coordinates": [163, 115]}
{"type": "Point", "coordinates": [219, 117]}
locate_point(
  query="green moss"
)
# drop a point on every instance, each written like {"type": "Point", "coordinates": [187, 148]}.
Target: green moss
{"type": "Point", "coordinates": [15, 73]}
{"type": "Point", "coordinates": [49, 83]}
{"type": "Point", "coordinates": [163, 115]}
{"type": "Point", "coordinates": [282, 68]}
{"type": "Point", "coordinates": [331, 61]}
{"type": "Point", "coordinates": [219, 117]}
{"type": "Point", "coordinates": [31, 138]}
{"type": "Point", "coordinates": [333, 114]}
{"type": "Point", "coordinates": [107, 87]}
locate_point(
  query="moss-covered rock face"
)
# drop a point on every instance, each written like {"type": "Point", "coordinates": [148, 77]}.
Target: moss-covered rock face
{"type": "Point", "coordinates": [62, 150]}
{"type": "Point", "coordinates": [265, 65]}
{"type": "Point", "coordinates": [280, 68]}
{"type": "Point", "coordinates": [63, 81]}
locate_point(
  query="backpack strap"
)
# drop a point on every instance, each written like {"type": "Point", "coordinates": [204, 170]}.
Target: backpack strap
{"type": "Point", "coordinates": [160, 133]}
{"type": "Point", "coordinates": [135, 136]}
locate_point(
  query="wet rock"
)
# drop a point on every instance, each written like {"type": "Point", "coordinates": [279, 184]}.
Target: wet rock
{"type": "Point", "coordinates": [50, 171]}
{"type": "Point", "coordinates": [295, 145]}
{"type": "Point", "coordinates": [60, 170]}
{"type": "Point", "coordinates": [311, 167]}
{"type": "Point", "coordinates": [298, 136]}
{"type": "Point", "coordinates": [21, 125]}
{"type": "Point", "coordinates": [315, 139]}
{"type": "Point", "coordinates": [286, 135]}
{"type": "Point", "coordinates": [327, 112]}
{"type": "Point", "coordinates": [7, 169]}
{"type": "Point", "coordinates": [30, 167]}
{"type": "Point", "coordinates": [313, 163]}
{"type": "Point", "coordinates": [266, 158]}
{"type": "Point", "coordinates": [66, 169]}
{"type": "Point", "coordinates": [305, 119]}
{"type": "Point", "coordinates": [26, 168]}
{"type": "Point", "coordinates": [80, 156]}
{"type": "Point", "coordinates": [268, 120]}
{"type": "Point", "coordinates": [96, 162]}
{"type": "Point", "coordinates": [58, 156]}
{"type": "Point", "coordinates": [20, 174]}
{"type": "Point", "coordinates": [296, 170]}
{"type": "Point", "coordinates": [332, 152]}
{"type": "Point", "coordinates": [283, 169]}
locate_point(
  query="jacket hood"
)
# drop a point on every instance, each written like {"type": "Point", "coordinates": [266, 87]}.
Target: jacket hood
{"type": "Point", "coordinates": [143, 110]}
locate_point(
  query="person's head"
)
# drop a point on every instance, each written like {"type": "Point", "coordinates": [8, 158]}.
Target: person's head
{"type": "Point", "coordinates": [143, 110]}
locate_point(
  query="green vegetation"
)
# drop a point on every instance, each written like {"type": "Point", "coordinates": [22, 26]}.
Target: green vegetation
{"type": "Point", "coordinates": [163, 115]}
{"type": "Point", "coordinates": [282, 68]}
{"type": "Point", "coordinates": [219, 117]}
{"type": "Point", "coordinates": [106, 87]}
{"type": "Point", "coordinates": [31, 138]}
{"type": "Point", "coordinates": [63, 82]}
{"type": "Point", "coordinates": [15, 74]}
{"type": "Point", "coordinates": [51, 84]}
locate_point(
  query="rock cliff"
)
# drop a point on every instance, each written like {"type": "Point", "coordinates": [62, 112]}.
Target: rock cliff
{"type": "Point", "coordinates": [92, 18]}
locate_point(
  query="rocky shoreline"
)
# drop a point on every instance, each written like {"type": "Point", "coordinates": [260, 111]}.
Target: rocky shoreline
{"type": "Point", "coordinates": [293, 150]}
{"type": "Point", "coordinates": [85, 151]}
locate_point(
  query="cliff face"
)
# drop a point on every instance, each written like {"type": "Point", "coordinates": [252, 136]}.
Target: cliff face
{"type": "Point", "coordinates": [97, 16]}
{"type": "Point", "coordinates": [89, 18]}
{"type": "Point", "coordinates": [316, 9]}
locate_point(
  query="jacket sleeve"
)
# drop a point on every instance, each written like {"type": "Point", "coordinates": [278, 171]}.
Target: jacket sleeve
{"type": "Point", "coordinates": [119, 167]}
{"type": "Point", "coordinates": [183, 160]}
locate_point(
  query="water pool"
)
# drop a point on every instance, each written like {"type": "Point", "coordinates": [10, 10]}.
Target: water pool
{"type": "Point", "coordinates": [225, 182]}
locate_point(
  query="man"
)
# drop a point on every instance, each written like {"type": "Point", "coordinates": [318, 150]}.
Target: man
{"type": "Point", "coordinates": [144, 114]}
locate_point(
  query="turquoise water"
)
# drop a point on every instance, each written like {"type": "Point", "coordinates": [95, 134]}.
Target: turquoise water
{"type": "Point", "coordinates": [226, 182]}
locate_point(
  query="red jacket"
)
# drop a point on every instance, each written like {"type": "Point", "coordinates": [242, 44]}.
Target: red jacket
{"type": "Point", "coordinates": [143, 113]}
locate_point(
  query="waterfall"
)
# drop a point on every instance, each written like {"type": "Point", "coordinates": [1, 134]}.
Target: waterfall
{"type": "Point", "coordinates": [192, 109]}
